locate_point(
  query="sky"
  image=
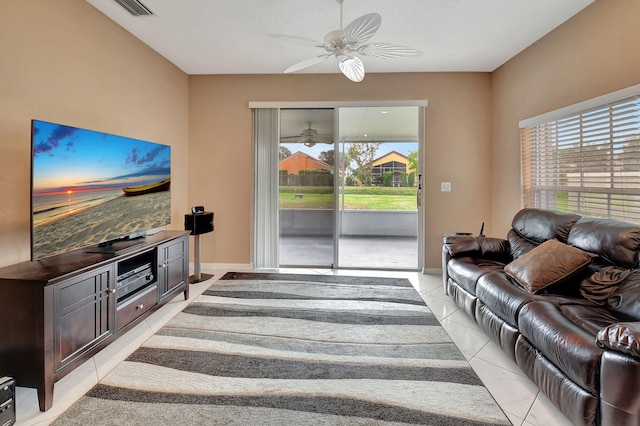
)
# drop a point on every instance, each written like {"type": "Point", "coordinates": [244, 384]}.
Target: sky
{"type": "Point", "coordinates": [385, 148]}
{"type": "Point", "coordinates": [71, 159]}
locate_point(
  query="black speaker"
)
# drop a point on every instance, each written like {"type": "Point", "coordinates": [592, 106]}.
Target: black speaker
{"type": "Point", "coordinates": [198, 223]}
{"type": "Point", "coordinates": [7, 401]}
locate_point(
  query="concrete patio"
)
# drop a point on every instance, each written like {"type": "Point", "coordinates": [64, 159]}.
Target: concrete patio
{"type": "Point", "coordinates": [363, 252]}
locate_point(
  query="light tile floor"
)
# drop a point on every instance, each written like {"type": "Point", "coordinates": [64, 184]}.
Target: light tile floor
{"type": "Point", "coordinates": [518, 397]}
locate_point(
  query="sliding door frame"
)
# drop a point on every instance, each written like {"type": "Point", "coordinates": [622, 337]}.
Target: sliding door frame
{"type": "Point", "coordinates": [336, 105]}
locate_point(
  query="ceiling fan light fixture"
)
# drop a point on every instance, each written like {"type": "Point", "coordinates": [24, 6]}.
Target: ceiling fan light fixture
{"type": "Point", "coordinates": [351, 67]}
{"type": "Point", "coordinates": [346, 41]}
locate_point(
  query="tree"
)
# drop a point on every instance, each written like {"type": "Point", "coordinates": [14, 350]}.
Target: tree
{"type": "Point", "coordinates": [328, 157]}
{"type": "Point", "coordinates": [388, 179]}
{"type": "Point", "coordinates": [284, 152]}
{"type": "Point", "coordinates": [413, 161]}
{"type": "Point", "coordinates": [363, 154]}
{"type": "Point", "coordinates": [403, 179]}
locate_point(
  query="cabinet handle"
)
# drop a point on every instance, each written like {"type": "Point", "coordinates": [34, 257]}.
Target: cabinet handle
{"type": "Point", "coordinates": [140, 306]}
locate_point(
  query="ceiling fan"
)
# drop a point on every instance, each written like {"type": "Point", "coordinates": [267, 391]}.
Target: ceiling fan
{"type": "Point", "coordinates": [345, 43]}
{"type": "Point", "coordinates": [309, 137]}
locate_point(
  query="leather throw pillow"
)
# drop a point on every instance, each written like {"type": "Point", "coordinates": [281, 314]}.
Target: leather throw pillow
{"type": "Point", "coordinates": [549, 264]}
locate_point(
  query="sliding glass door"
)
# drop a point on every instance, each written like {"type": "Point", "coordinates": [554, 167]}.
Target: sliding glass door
{"type": "Point", "coordinates": [377, 206]}
{"type": "Point", "coordinates": [338, 187]}
{"type": "Point", "coordinates": [306, 196]}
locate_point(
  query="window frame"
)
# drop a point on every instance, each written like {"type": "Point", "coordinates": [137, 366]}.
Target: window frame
{"type": "Point", "coordinates": [599, 140]}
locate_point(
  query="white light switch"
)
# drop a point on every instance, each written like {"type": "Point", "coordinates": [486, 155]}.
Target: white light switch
{"type": "Point", "coordinates": [445, 186]}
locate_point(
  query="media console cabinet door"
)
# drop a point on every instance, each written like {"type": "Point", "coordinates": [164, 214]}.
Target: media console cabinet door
{"type": "Point", "coordinates": [83, 314]}
{"type": "Point", "coordinates": [173, 266]}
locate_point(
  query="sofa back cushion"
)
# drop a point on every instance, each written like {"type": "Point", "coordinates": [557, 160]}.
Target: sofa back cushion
{"type": "Point", "coordinates": [616, 242]}
{"type": "Point", "coordinates": [519, 246]}
{"type": "Point", "coordinates": [532, 227]}
{"type": "Point", "coordinates": [538, 226]}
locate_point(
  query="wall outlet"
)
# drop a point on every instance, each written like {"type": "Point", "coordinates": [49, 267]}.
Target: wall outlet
{"type": "Point", "coordinates": [445, 186]}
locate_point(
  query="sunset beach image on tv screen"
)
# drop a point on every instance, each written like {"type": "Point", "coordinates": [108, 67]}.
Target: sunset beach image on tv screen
{"type": "Point", "coordinates": [90, 187]}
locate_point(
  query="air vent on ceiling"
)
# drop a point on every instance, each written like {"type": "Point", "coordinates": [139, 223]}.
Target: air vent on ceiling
{"type": "Point", "coordinates": [134, 7]}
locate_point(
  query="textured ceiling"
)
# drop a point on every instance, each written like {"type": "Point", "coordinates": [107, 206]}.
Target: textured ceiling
{"type": "Point", "coordinates": [230, 36]}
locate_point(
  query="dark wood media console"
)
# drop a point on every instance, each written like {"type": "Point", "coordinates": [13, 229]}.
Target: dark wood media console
{"type": "Point", "coordinates": [60, 311]}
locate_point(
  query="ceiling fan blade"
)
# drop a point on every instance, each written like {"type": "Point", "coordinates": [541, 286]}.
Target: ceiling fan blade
{"type": "Point", "coordinates": [323, 139]}
{"type": "Point", "coordinates": [362, 28]}
{"type": "Point", "coordinates": [296, 39]}
{"type": "Point", "coordinates": [306, 63]}
{"type": "Point", "coordinates": [352, 68]}
{"type": "Point", "coordinates": [388, 51]}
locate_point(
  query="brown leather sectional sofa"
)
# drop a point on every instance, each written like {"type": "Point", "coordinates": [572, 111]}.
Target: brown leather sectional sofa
{"type": "Point", "coordinates": [561, 296]}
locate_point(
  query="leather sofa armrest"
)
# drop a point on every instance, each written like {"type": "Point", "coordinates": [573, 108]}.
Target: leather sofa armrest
{"type": "Point", "coordinates": [462, 245]}
{"type": "Point", "coordinates": [465, 245]}
{"type": "Point", "coordinates": [622, 337]}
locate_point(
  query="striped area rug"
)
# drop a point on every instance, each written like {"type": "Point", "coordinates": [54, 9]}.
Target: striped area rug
{"type": "Point", "coordinates": [284, 349]}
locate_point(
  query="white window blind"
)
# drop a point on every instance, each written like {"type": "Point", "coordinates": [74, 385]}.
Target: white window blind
{"type": "Point", "coordinates": [586, 163]}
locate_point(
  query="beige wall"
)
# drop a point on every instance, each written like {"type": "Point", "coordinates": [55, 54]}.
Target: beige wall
{"type": "Point", "coordinates": [457, 133]}
{"type": "Point", "coordinates": [64, 61]}
{"type": "Point", "coordinates": [594, 53]}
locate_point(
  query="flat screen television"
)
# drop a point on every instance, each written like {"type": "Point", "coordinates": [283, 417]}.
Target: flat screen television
{"type": "Point", "coordinates": [95, 190]}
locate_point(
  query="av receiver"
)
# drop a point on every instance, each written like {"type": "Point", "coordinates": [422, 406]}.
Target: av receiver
{"type": "Point", "coordinates": [133, 280]}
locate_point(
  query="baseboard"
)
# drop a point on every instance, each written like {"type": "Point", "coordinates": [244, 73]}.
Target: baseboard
{"type": "Point", "coordinates": [227, 266]}
{"type": "Point", "coordinates": [249, 267]}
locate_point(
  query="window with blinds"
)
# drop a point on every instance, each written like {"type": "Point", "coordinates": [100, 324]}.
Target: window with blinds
{"type": "Point", "coordinates": [586, 163]}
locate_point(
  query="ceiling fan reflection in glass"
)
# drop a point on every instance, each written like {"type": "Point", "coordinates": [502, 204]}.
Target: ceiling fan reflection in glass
{"type": "Point", "coordinates": [308, 137]}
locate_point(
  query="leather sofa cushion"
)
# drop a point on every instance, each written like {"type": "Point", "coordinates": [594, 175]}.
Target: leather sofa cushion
{"type": "Point", "coordinates": [501, 296]}
{"type": "Point", "coordinates": [549, 264]}
{"type": "Point", "coordinates": [622, 337]}
{"type": "Point", "coordinates": [588, 317]}
{"type": "Point", "coordinates": [505, 299]}
{"type": "Point", "coordinates": [616, 242]}
{"type": "Point", "coordinates": [465, 271]}
{"type": "Point", "coordinates": [538, 226]}
{"type": "Point", "coordinates": [567, 345]}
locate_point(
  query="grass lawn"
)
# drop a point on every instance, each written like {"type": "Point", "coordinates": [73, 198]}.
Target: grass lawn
{"type": "Point", "coordinates": [355, 198]}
